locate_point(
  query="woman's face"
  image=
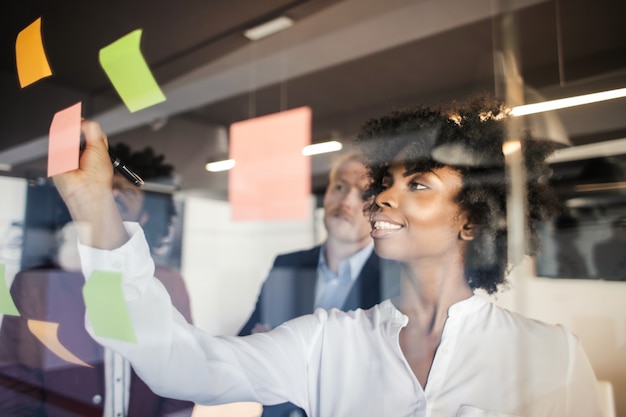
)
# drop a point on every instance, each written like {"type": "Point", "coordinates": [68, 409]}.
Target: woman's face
{"type": "Point", "coordinates": [416, 216]}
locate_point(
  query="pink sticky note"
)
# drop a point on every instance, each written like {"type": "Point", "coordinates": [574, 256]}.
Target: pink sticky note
{"type": "Point", "coordinates": [271, 179]}
{"type": "Point", "coordinates": [64, 140]}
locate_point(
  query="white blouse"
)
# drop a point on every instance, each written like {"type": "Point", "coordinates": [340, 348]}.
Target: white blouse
{"type": "Point", "coordinates": [490, 362]}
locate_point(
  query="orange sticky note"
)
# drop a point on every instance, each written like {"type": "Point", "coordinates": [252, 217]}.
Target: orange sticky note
{"type": "Point", "coordinates": [271, 179]}
{"type": "Point", "coordinates": [48, 335]}
{"type": "Point", "coordinates": [64, 140]}
{"type": "Point", "coordinates": [30, 57]}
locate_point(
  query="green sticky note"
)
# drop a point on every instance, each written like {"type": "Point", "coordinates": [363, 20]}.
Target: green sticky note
{"type": "Point", "coordinates": [129, 73]}
{"type": "Point", "coordinates": [106, 307]}
{"type": "Point", "coordinates": [7, 306]}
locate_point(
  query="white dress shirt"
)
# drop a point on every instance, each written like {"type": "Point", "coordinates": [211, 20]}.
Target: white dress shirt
{"type": "Point", "coordinates": [490, 362]}
{"type": "Point", "coordinates": [331, 289]}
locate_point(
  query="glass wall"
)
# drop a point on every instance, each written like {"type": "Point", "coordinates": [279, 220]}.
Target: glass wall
{"type": "Point", "coordinates": [178, 85]}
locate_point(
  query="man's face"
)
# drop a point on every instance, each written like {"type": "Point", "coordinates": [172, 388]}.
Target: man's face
{"type": "Point", "coordinates": [343, 204]}
{"type": "Point", "coordinates": [129, 200]}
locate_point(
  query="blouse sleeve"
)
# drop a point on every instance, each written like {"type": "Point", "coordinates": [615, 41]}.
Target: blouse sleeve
{"type": "Point", "coordinates": [178, 360]}
{"type": "Point", "coordinates": [582, 395]}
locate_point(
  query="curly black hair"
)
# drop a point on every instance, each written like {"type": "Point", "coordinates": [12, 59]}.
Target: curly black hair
{"type": "Point", "coordinates": [159, 206]}
{"type": "Point", "coordinates": [467, 136]}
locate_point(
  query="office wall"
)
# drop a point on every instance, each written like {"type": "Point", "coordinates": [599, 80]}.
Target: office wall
{"type": "Point", "coordinates": [224, 262]}
{"type": "Point", "coordinates": [594, 310]}
{"type": "Point", "coordinates": [13, 191]}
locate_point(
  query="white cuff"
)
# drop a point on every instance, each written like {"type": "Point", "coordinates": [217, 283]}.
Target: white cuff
{"type": "Point", "coordinates": [132, 260]}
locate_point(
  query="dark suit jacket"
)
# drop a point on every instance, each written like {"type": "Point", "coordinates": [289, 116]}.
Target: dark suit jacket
{"type": "Point", "coordinates": [289, 292]}
{"type": "Point", "coordinates": [36, 382]}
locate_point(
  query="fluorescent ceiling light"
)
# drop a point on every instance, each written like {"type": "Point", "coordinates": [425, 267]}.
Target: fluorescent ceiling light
{"type": "Point", "coordinates": [268, 28]}
{"type": "Point", "coordinates": [526, 109]}
{"type": "Point", "coordinates": [588, 151]}
{"type": "Point", "coordinates": [567, 102]}
{"type": "Point", "coordinates": [511, 146]}
{"type": "Point", "coordinates": [601, 186]}
{"type": "Point", "coordinates": [323, 147]}
{"type": "Point", "coordinates": [309, 150]}
{"type": "Point", "coordinates": [220, 165]}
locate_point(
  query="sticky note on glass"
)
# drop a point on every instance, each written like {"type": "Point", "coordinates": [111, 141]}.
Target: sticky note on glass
{"type": "Point", "coordinates": [30, 57]}
{"type": "Point", "coordinates": [106, 307]}
{"type": "Point", "coordinates": [271, 179]}
{"type": "Point", "coordinates": [64, 140]}
{"type": "Point", "coordinates": [7, 305]}
{"type": "Point", "coordinates": [48, 334]}
{"type": "Point", "coordinates": [129, 73]}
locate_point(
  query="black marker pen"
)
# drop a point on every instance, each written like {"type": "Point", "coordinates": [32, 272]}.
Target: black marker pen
{"type": "Point", "coordinates": [125, 171]}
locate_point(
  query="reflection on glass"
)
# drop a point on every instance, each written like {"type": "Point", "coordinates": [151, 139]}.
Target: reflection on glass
{"type": "Point", "coordinates": [348, 60]}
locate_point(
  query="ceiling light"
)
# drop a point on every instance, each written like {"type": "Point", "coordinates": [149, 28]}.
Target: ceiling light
{"type": "Point", "coordinates": [511, 146]}
{"type": "Point", "coordinates": [220, 165]}
{"type": "Point", "coordinates": [324, 147]}
{"type": "Point", "coordinates": [309, 150]}
{"type": "Point", "coordinates": [600, 187]}
{"type": "Point", "coordinates": [567, 102]}
{"type": "Point", "coordinates": [268, 28]}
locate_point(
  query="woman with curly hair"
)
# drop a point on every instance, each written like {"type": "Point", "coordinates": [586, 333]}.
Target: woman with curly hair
{"type": "Point", "coordinates": [435, 350]}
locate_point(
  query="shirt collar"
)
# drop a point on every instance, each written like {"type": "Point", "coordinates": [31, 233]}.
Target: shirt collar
{"type": "Point", "coordinates": [467, 306]}
{"type": "Point", "coordinates": [459, 309]}
{"type": "Point", "coordinates": [354, 262]}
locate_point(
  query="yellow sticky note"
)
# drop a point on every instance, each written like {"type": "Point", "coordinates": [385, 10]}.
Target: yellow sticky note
{"type": "Point", "coordinates": [48, 334]}
{"type": "Point", "coordinates": [64, 140]}
{"type": "Point", "coordinates": [271, 179]}
{"type": "Point", "coordinates": [106, 307]}
{"type": "Point", "coordinates": [7, 305]}
{"type": "Point", "coordinates": [129, 73]}
{"type": "Point", "coordinates": [30, 57]}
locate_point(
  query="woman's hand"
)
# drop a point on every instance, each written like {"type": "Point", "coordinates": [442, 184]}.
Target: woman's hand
{"type": "Point", "coordinates": [88, 195]}
{"type": "Point", "coordinates": [95, 172]}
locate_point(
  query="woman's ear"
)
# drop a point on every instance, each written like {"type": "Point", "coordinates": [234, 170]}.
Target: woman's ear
{"type": "Point", "coordinates": [468, 231]}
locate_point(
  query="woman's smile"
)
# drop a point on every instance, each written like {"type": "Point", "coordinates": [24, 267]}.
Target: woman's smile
{"type": "Point", "coordinates": [383, 227]}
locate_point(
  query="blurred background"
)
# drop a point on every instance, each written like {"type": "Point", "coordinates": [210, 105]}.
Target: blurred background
{"type": "Point", "coordinates": [347, 60]}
